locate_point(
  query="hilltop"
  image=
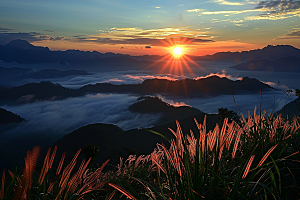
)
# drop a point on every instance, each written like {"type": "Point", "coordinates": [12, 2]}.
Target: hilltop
{"type": "Point", "coordinates": [210, 86]}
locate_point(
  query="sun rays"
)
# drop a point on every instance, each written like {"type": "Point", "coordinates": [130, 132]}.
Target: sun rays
{"type": "Point", "coordinates": [177, 62]}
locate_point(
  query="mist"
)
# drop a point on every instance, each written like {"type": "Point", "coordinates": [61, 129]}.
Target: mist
{"type": "Point", "coordinates": [52, 119]}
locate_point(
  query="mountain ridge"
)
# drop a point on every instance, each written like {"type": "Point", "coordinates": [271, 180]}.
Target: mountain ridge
{"type": "Point", "coordinates": [22, 51]}
{"type": "Point", "coordinates": [285, 64]}
{"type": "Point", "coordinates": [210, 86]}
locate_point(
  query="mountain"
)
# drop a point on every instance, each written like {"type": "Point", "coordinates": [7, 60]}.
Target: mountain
{"type": "Point", "coordinates": [17, 73]}
{"type": "Point", "coordinates": [23, 44]}
{"type": "Point", "coordinates": [114, 142]}
{"type": "Point", "coordinates": [7, 117]}
{"type": "Point", "coordinates": [210, 86]}
{"type": "Point", "coordinates": [165, 112]}
{"type": "Point", "coordinates": [32, 92]}
{"type": "Point", "coordinates": [286, 64]}
{"type": "Point", "coordinates": [23, 52]}
{"type": "Point", "coordinates": [267, 53]}
{"type": "Point", "coordinates": [291, 109]}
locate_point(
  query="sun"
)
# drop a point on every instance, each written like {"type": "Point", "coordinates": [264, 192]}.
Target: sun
{"type": "Point", "coordinates": [177, 51]}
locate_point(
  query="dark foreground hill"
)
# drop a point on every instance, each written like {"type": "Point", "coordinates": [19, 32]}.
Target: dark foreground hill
{"type": "Point", "coordinates": [164, 111]}
{"type": "Point", "coordinates": [291, 109]}
{"type": "Point", "coordinates": [114, 142]}
{"type": "Point", "coordinates": [286, 64]}
{"type": "Point", "coordinates": [7, 117]}
{"type": "Point", "coordinates": [210, 86]}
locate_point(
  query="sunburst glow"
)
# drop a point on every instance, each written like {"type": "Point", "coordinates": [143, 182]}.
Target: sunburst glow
{"type": "Point", "coordinates": [177, 62]}
{"type": "Point", "coordinates": [177, 51]}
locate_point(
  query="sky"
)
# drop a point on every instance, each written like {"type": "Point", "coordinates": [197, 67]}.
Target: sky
{"type": "Point", "coordinates": [138, 27]}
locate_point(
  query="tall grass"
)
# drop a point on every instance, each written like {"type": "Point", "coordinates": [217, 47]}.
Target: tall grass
{"type": "Point", "coordinates": [49, 184]}
{"type": "Point", "coordinates": [255, 159]}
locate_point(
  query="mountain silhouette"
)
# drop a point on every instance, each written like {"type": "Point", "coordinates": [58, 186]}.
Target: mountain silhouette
{"type": "Point", "coordinates": [32, 92]}
{"type": "Point", "coordinates": [286, 64]}
{"type": "Point", "coordinates": [165, 112]}
{"type": "Point", "coordinates": [17, 73]}
{"type": "Point", "coordinates": [21, 51]}
{"type": "Point", "coordinates": [7, 117]}
{"type": "Point", "coordinates": [267, 53]}
{"type": "Point", "coordinates": [115, 142]}
{"type": "Point", "coordinates": [210, 86]}
{"type": "Point", "coordinates": [23, 44]}
{"type": "Point", "coordinates": [291, 109]}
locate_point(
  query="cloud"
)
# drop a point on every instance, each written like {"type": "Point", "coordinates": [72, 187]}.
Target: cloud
{"type": "Point", "coordinates": [149, 41]}
{"type": "Point", "coordinates": [54, 119]}
{"type": "Point", "coordinates": [221, 75]}
{"type": "Point", "coordinates": [228, 12]}
{"type": "Point", "coordinates": [223, 2]}
{"type": "Point", "coordinates": [279, 86]}
{"type": "Point", "coordinates": [270, 10]}
{"type": "Point", "coordinates": [169, 77]}
{"type": "Point", "coordinates": [6, 37]}
{"type": "Point", "coordinates": [196, 10]}
{"type": "Point", "coordinates": [148, 47]}
{"type": "Point", "coordinates": [134, 35]}
{"type": "Point", "coordinates": [292, 35]}
{"type": "Point", "coordinates": [277, 9]}
{"type": "Point", "coordinates": [245, 103]}
{"type": "Point", "coordinates": [47, 37]}
{"type": "Point", "coordinates": [177, 104]}
{"type": "Point", "coordinates": [5, 29]}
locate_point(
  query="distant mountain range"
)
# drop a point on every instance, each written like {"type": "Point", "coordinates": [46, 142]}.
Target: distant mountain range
{"type": "Point", "coordinates": [18, 73]}
{"type": "Point", "coordinates": [286, 64]}
{"type": "Point", "coordinates": [267, 53]}
{"type": "Point", "coordinates": [210, 86]}
{"type": "Point", "coordinates": [23, 52]}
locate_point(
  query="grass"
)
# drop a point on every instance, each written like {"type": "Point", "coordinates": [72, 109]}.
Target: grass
{"type": "Point", "coordinates": [255, 159]}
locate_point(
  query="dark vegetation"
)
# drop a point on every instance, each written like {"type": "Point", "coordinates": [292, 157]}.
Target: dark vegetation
{"type": "Point", "coordinates": [200, 157]}
{"type": "Point", "coordinates": [257, 160]}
